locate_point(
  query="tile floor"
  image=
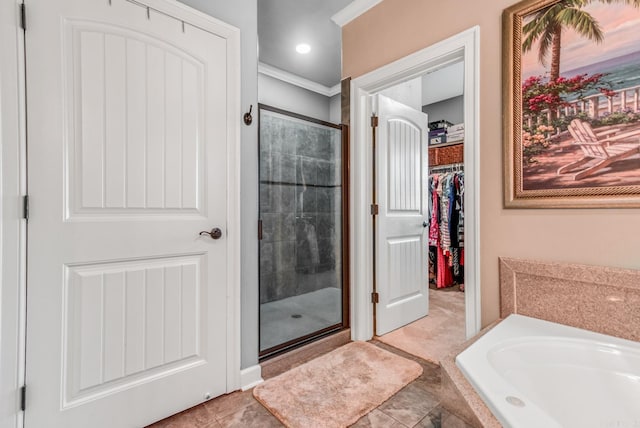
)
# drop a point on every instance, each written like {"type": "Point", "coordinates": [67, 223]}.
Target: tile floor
{"type": "Point", "coordinates": [435, 336]}
{"type": "Point", "coordinates": [416, 405]}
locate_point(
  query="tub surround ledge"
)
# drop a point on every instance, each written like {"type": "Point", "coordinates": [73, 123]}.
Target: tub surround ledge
{"type": "Point", "coordinates": [596, 298]}
{"type": "Point", "coordinates": [458, 396]}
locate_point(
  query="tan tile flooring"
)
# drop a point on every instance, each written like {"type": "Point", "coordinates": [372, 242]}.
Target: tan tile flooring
{"type": "Point", "coordinates": [416, 405]}
{"type": "Point", "coordinates": [436, 335]}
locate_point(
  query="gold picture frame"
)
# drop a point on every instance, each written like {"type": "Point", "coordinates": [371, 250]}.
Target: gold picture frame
{"type": "Point", "coordinates": [571, 126]}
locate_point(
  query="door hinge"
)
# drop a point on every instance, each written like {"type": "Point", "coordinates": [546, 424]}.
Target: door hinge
{"type": "Point", "coordinates": [375, 297]}
{"type": "Point", "coordinates": [259, 230]}
{"type": "Point", "coordinates": [25, 207]}
{"type": "Point", "coordinates": [23, 17]}
{"type": "Point", "coordinates": [23, 397]}
{"type": "Point", "coordinates": [374, 209]}
{"type": "Point", "coordinates": [374, 121]}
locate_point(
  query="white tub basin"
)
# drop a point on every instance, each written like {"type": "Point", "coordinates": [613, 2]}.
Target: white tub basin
{"type": "Point", "coordinates": [534, 373]}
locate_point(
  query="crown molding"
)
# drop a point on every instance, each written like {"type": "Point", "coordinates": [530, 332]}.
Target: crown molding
{"type": "Point", "coordinates": [285, 76]}
{"type": "Point", "coordinates": [352, 11]}
{"type": "Point", "coordinates": [335, 90]}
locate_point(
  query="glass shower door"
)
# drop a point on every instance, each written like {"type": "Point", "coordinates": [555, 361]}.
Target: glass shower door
{"type": "Point", "coordinates": [301, 222]}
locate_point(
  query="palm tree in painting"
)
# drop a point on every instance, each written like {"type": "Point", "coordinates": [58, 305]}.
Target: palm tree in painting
{"type": "Point", "coordinates": [548, 23]}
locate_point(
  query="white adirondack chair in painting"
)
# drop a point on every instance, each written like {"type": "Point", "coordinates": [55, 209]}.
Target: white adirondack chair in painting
{"type": "Point", "coordinates": [599, 149]}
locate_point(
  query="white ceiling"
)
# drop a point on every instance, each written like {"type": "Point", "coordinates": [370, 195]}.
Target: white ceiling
{"type": "Point", "coordinates": [282, 24]}
{"type": "Point", "coordinates": [442, 84]}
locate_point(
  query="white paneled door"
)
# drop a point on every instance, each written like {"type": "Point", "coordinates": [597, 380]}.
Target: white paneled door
{"type": "Point", "coordinates": [129, 142]}
{"type": "Point", "coordinates": [401, 240]}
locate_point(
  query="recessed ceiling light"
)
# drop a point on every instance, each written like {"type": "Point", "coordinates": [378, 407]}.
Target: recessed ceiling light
{"type": "Point", "coordinates": [303, 48]}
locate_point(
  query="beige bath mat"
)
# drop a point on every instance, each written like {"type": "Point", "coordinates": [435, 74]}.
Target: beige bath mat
{"type": "Point", "coordinates": [336, 389]}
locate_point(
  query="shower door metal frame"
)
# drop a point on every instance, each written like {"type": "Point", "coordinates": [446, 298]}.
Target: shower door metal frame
{"type": "Point", "coordinates": [344, 182]}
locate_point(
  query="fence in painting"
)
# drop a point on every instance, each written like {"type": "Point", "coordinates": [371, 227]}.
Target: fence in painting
{"type": "Point", "coordinates": [595, 106]}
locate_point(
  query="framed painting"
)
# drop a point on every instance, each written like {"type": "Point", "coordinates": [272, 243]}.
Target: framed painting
{"type": "Point", "coordinates": [571, 104]}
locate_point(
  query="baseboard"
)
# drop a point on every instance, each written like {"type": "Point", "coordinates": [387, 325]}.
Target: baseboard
{"type": "Point", "coordinates": [250, 377]}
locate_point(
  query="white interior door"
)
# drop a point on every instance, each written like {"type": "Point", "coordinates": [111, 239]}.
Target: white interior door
{"type": "Point", "coordinates": [128, 144]}
{"type": "Point", "coordinates": [401, 240]}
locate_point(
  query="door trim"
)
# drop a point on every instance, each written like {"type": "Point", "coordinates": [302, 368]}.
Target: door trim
{"type": "Point", "coordinates": [14, 177]}
{"type": "Point", "coordinates": [464, 45]}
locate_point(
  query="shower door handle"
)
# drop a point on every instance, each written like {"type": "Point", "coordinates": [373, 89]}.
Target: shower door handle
{"type": "Point", "coordinates": [215, 233]}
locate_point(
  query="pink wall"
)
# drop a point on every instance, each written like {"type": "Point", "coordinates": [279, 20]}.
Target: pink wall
{"type": "Point", "coordinates": [395, 28]}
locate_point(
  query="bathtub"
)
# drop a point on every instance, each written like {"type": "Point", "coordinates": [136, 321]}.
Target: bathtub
{"type": "Point", "coordinates": [538, 374]}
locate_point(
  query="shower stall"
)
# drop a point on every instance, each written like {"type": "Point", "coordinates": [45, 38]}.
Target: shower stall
{"type": "Point", "coordinates": [302, 229]}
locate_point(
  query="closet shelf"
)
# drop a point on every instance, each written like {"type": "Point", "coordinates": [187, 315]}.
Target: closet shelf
{"type": "Point", "coordinates": [446, 154]}
{"type": "Point", "coordinates": [453, 143]}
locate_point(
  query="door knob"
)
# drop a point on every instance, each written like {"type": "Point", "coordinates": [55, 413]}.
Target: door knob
{"type": "Point", "coordinates": [215, 233]}
{"type": "Point", "coordinates": [425, 224]}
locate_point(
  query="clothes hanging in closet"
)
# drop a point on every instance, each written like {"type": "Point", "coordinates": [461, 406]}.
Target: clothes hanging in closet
{"type": "Point", "coordinates": [446, 228]}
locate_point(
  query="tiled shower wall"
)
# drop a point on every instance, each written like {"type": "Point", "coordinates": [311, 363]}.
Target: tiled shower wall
{"type": "Point", "coordinates": [300, 207]}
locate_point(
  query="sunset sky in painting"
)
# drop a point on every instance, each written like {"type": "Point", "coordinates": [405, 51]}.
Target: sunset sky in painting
{"type": "Point", "coordinates": [621, 26]}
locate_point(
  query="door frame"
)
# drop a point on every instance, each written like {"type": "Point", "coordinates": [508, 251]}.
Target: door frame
{"type": "Point", "coordinates": [13, 179]}
{"type": "Point", "coordinates": [465, 45]}
{"type": "Point", "coordinates": [13, 226]}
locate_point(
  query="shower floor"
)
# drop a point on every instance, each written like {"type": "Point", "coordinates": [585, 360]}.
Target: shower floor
{"type": "Point", "coordinates": [279, 321]}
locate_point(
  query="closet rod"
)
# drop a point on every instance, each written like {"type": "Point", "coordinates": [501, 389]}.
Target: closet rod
{"type": "Point", "coordinates": [447, 168]}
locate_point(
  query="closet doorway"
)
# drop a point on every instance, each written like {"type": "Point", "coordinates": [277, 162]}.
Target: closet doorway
{"type": "Point", "coordinates": [419, 183]}
{"type": "Point", "coordinates": [367, 251]}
